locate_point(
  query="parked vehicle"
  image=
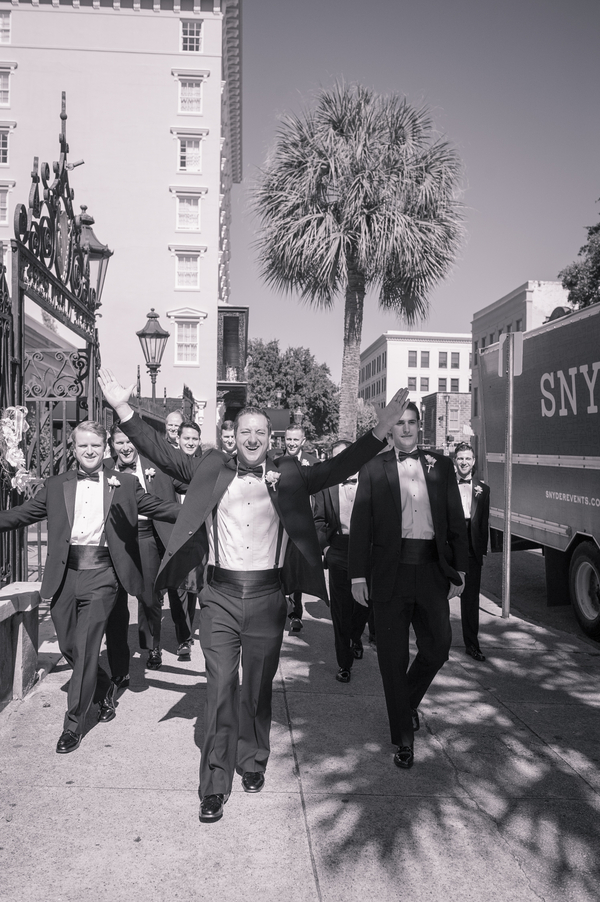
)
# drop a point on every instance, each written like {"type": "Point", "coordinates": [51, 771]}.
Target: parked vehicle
{"type": "Point", "coordinates": [556, 455]}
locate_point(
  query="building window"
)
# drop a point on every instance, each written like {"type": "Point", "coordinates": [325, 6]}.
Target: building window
{"type": "Point", "coordinates": [188, 212]}
{"type": "Point", "coordinates": [384, 359]}
{"type": "Point", "coordinates": [424, 383]}
{"type": "Point", "coordinates": [443, 360]}
{"type": "Point", "coordinates": [475, 402]}
{"type": "Point", "coordinates": [453, 419]}
{"type": "Point", "coordinates": [4, 88]}
{"type": "Point", "coordinates": [190, 159]}
{"type": "Point", "coordinates": [425, 359]}
{"type": "Point", "coordinates": [191, 36]}
{"type": "Point", "coordinates": [3, 206]}
{"type": "Point", "coordinates": [442, 384]}
{"type": "Point", "coordinates": [454, 385]}
{"type": "Point", "coordinates": [4, 27]}
{"type": "Point", "coordinates": [491, 338]}
{"type": "Point", "coordinates": [519, 325]}
{"type": "Point", "coordinates": [186, 342]}
{"type": "Point", "coordinates": [475, 348]}
{"type": "Point", "coordinates": [455, 360]}
{"type": "Point", "coordinates": [188, 271]}
{"type": "Point", "coordinates": [412, 358]}
{"type": "Point", "coordinates": [4, 146]}
{"type": "Point", "coordinates": [509, 327]}
{"type": "Point", "coordinates": [384, 383]}
{"type": "Point", "coordinates": [412, 383]}
{"type": "Point", "coordinates": [190, 95]}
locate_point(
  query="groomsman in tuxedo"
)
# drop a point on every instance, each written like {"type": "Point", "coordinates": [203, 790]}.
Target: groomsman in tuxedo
{"type": "Point", "coordinates": [332, 513]}
{"type": "Point", "coordinates": [92, 515]}
{"type": "Point", "coordinates": [475, 497]}
{"type": "Point", "coordinates": [408, 554]}
{"type": "Point", "coordinates": [153, 539]}
{"type": "Point", "coordinates": [294, 441]}
{"type": "Point", "coordinates": [243, 516]}
{"type": "Point", "coordinates": [172, 423]}
{"type": "Point", "coordinates": [227, 437]}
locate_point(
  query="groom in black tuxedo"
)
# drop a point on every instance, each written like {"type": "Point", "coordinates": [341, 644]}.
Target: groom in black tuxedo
{"type": "Point", "coordinates": [408, 554]}
{"type": "Point", "coordinates": [260, 545]}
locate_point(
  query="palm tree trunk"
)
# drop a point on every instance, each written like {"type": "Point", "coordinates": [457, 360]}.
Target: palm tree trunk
{"type": "Point", "coordinates": [353, 317]}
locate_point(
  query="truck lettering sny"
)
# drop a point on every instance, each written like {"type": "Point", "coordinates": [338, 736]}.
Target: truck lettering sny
{"type": "Point", "coordinates": [556, 456]}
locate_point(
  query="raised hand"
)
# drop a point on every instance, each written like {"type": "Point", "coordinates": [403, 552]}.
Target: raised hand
{"type": "Point", "coordinates": [115, 393]}
{"type": "Point", "coordinates": [391, 414]}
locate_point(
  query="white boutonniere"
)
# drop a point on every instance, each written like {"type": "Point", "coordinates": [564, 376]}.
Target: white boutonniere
{"type": "Point", "coordinates": [305, 463]}
{"type": "Point", "coordinates": [272, 477]}
{"type": "Point", "coordinates": [430, 461]}
{"type": "Point", "coordinates": [149, 472]}
{"type": "Point", "coordinates": [478, 490]}
{"type": "Point", "coordinates": [113, 482]}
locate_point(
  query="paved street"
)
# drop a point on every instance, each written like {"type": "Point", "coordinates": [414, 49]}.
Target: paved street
{"type": "Point", "coordinates": [503, 802]}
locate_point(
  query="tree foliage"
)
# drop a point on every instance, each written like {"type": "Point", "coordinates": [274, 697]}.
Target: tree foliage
{"type": "Point", "coordinates": [356, 194]}
{"type": "Point", "coordinates": [366, 417]}
{"type": "Point", "coordinates": [582, 277]}
{"type": "Point", "coordinates": [301, 381]}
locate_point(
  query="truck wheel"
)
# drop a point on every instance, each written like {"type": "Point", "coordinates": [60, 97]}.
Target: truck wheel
{"type": "Point", "coordinates": [584, 587]}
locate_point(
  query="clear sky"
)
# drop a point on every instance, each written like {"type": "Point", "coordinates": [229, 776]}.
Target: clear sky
{"type": "Point", "coordinates": [514, 84]}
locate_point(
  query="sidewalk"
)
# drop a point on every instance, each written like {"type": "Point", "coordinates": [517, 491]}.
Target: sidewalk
{"type": "Point", "coordinates": [503, 802]}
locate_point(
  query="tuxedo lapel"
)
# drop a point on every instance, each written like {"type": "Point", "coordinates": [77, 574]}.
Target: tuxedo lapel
{"type": "Point", "coordinates": [390, 467]}
{"type": "Point", "coordinates": [109, 492]}
{"type": "Point", "coordinates": [69, 491]}
{"type": "Point", "coordinates": [225, 476]}
{"type": "Point", "coordinates": [272, 487]}
{"type": "Point", "coordinates": [334, 491]}
{"type": "Point", "coordinates": [474, 499]}
{"type": "Point", "coordinates": [432, 484]}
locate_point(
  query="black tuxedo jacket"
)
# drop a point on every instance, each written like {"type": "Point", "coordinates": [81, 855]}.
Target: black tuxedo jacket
{"type": "Point", "coordinates": [209, 477]}
{"type": "Point", "coordinates": [160, 486]}
{"type": "Point", "coordinates": [55, 501]}
{"type": "Point", "coordinates": [376, 525]}
{"type": "Point", "coordinates": [328, 526]}
{"type": "Point", "coordinates": [480, 516]}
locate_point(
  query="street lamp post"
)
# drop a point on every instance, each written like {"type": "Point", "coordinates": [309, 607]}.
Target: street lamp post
{"type": "Point", "coordinates": [447, 400]}
{"type": "Point", "coordinates": [153, 339]}
{"type": "Point", "coordinates": [298, 414]}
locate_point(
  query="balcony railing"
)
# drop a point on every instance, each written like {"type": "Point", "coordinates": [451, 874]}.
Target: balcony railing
{"type": "Point", "coordinates": [231, 374]}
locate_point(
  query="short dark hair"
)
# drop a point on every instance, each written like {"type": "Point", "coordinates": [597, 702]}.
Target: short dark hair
{"type": "Point", "coordinates": [226, 425]}
{"type": "Point", "coordinates": [341, 441]}
{"type": "Point", "coordinates": [412, 406]}
{"type": "Point", "coordinates": [189, 424]}
{"type": "Point", "coordinates": [116, 427]}
{"type": "Point", "coordinates": [463, 446]}
{"type": "Point", "coordinates": [255, 411]}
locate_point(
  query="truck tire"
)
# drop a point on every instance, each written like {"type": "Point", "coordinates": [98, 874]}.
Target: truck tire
{"type": "Point", "coordinates": [584, 587]}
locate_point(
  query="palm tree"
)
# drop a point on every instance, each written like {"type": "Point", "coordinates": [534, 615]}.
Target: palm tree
{"type": "Point", "coordinates": [358, 194]}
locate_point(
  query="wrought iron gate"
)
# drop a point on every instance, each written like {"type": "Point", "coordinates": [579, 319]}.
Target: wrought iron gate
{"type": "Point", "coordinates": [51, 256]}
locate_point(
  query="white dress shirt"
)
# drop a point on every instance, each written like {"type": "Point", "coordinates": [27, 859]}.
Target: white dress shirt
{"type": "Point", "coordinates": [417, 522]}
{"type": "Point", "coordinates": [347, 496]}
{"type": "Point", "coordinates": [88, 517]}
{"type": "Point", "coordinates": [466, 496]}
{"type": "Point", "coordinates": [247, 527]}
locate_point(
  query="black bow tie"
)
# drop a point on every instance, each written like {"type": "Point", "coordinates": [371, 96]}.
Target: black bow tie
{"type": "Point", "coordinates": [124, 468]}
{"type": "Point", "coordinates": [351, 481]}
{"type": "Point", "coordinates": [243, 470]}
{"type": "Point", "coordinates": [402, 455]}
{"type": "Point", "coordinates": [466, 481]}
{"type": "Point", "coordinates": [95, 477]}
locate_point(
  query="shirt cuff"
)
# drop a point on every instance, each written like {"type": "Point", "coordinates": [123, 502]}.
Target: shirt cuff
{"type": "Point", "coordinates": [127, 418]}
{"type": "Point", "coordinates": [358, 580]}
{"type": "Point", "coordinates": [382, 440]}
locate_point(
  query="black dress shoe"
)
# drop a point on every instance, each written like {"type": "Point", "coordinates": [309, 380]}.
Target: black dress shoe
{"type": "Point", "coordinates": [68, 742]}
{"type": "Point", "coordinates": [475, 653]}
{"type": "Point", "coordinates": [184, 651]}
{"type": "Point", "coordinates": [108, 706]}
{"type": "Point", "coordinates": [404, 757]}
{"type": "Point", "coordinates": [357, 650]}
{"type": "Point", "coordinates": [211, 808]}
{"type": "Point", "coordinates": [415, 719]}
{"type": "Point", "coordinates": [253, 782]}
{"type": "Point", "coordinates": [295, 625]}
{"type": "Point", "coordinates": [154, 659]}
{"type": "Point", "coordinates": [343, 676]}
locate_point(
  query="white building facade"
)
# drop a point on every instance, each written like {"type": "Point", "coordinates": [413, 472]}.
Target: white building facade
{"type": "Point", "coordinates": [425, 362]}
{"type": "Point", "coordinates": [154, 109]}
{"type": "Point", "coordinates": [523, 309]}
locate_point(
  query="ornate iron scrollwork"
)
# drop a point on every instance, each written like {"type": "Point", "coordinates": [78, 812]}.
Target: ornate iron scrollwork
{"type": "Point", "coordinates": [51, 231]}
{"type": "Point", "coordinates": [55, 373]}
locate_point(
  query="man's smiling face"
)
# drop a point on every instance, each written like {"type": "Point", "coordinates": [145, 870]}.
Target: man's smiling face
{"type": "Point", "coordinates": [252, 439]}
{"type": "Point", "coordinates": [123, 448]}
{"type": "Point", "coordinates": [88, 450]}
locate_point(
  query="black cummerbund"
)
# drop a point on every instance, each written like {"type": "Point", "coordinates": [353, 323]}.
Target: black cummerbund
{"type": "Point", "coordinates": [88, 557]}
{"type": "Point", "coordinates": [418, 551]}
{"type": "Point", "coordinates": [244, 583]}
{"type": "Point", "coordinates": [145, 529]}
